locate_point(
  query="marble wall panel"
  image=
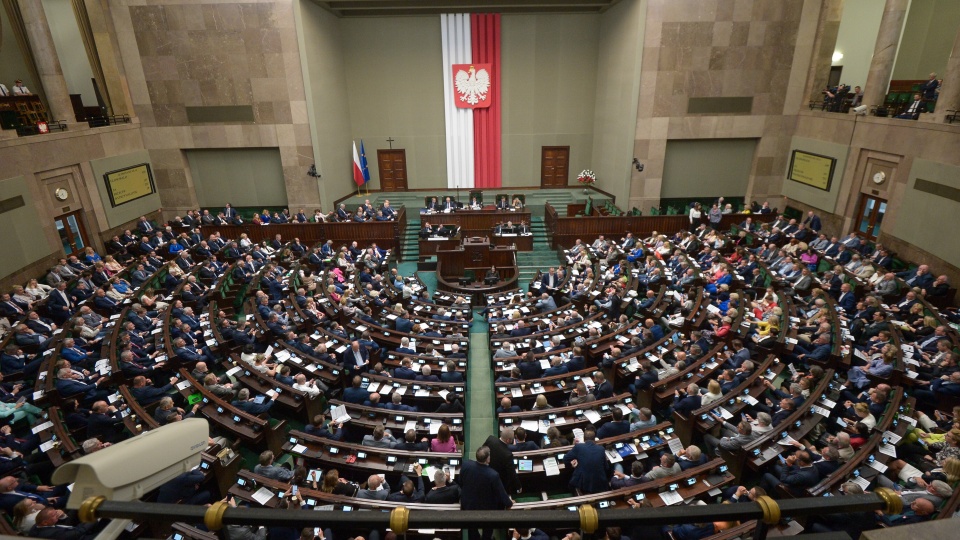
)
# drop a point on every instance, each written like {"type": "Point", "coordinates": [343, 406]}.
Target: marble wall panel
{"type": "Point", "coordinates": [743, 48]}
{"type": "Point", "coordinates": [212, 53]}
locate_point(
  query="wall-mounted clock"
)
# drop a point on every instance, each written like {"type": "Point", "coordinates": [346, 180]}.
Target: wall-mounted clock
{"type": "Point", "coordinates": [61, 194]}
{"type": "Point", "coordinates": [879, 177]}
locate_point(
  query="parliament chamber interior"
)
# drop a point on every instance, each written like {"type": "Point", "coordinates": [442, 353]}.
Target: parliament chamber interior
{"type": "Point", "coordinates": [378, 269]}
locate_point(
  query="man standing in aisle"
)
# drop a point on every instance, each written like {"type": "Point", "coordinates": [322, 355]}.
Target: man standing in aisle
{"type": "Point", "coordinates": [481, 489]}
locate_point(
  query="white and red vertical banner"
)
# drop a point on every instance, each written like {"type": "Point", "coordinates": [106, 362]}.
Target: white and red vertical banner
{"type": "Point", "coordinates": [455, 40]}
{"type": "Point", "coordinates": [472, 103]}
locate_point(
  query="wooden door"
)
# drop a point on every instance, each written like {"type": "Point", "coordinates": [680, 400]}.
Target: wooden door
{"type": "Point", "coordinates": [870, 217]}
{"type": "Point", "coordinates": [393, 169]}
{"type": "Point", "coordinates": [73, 235]}
{"type": "Point", "coordinates": [554, 166]}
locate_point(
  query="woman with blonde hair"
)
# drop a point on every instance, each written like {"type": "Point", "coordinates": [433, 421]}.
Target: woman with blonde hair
{"type": "Point", "coordinates": [332, 293]}
{"type": "Point", "coordinates": [91, 256]}
{"type": "Point", "coordinates": [111, 265]}
{"type": "Point", "coordinates": [541, 403]}
{"type": "Point", "coordinates": [714, 393]}
{"type": "Point", "coordinates": [37, 290]}
{"type": "Point", "coordinates": [150, 300]}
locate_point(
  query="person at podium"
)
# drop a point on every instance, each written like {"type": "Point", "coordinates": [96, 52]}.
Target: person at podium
{"type": "Point", "coordinates": [433, 205]}
{"type": "Point", "coordinates": [449, 205]}
{"type": "Point", "coordinates": [517, 204]}
{"type": "Point", "coordinates": [492, 276]}
{"type": "Point", "coordinates": [502, 203]}
{"type": "Point", "coordinates": [523, 228]}
{"type": "Point", "coordinates": [475, 204]}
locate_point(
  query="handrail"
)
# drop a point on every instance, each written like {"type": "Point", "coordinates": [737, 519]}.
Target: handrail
{"type": "Point", "coordinates": [587, 519]}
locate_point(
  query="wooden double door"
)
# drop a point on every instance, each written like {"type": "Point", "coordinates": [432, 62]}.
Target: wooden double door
{"type": "Point", "coordinates": [392, 165]}
{"type": "Point", "coordinates": [554, 166]}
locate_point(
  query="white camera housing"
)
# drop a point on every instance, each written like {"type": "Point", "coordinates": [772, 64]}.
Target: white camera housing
{"type": "Point", "coordinates": [861, 110]}
{"type": "Point", "coordinates": [128, 470]}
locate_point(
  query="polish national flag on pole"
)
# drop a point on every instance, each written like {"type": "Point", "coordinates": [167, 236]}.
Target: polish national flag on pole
{"type": "Point", "coordinates": [357, 170]}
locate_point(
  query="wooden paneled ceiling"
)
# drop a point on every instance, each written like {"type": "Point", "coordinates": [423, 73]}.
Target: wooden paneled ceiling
{"type": "Point", "coordinates": [391, 8]}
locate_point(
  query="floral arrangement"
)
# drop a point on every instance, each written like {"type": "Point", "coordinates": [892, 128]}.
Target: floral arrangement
{"type": "Point", "coordinates": [586, 177]}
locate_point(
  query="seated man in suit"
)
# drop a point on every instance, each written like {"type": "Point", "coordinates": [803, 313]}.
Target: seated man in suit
{"type": "Point", "coordinates": [426, 375]}
{"type": "Point", "coordinates": [449, 204]}
{"type": "Point", "coordinates": [507, 406]}
{"type": "Point", "coordinates": [689, 402]}
{"type": "Point", "coordinates": [912, 112]}
{"type": "Point", "coordinates": [355, 394]}
{"type": "Point", "coordinates": [617, 426]}
{"type": "Point", "coordinates": [450, 373]}
{"type": "Point", "coordinates": [249, 405]}
{"type": "Point", "coordinates": [546, 303]}
{"type": "Point", "coordinates": [69, 383]}
{"type": "Point", "coordinates": [796, 472]}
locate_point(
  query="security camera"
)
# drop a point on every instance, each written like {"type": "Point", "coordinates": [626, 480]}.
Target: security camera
{"type": "Point", "coordinates": [128, 470]}
{"type": "Point", "coordinates": [637, 165]}
{"type": "Point", "coordinates": [861, 110]}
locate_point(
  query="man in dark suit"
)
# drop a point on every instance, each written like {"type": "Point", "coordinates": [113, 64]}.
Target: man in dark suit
{"type": "Point", "coordinates": [741, 355]}
{"type": "Point", "coordinates": [615, 427]}
{"type": "Point", "coordinates": [482, 489]}
{"type": "Point", "coordinates": [921, 277]}
{"type": "Point", "coordinates": [603, 388]}
{"type": "Point", "coordinates": [521, 330]}
{"type": "Point", "coordinates": [451, 374]}
{"type": "Point", "coordinates": [920, 510]}
{"type": "Point", "coordinates": [59, 303]}
{"type": "Point", "coordinates": [443, 491]}
{"type": "Point", "coordinates": [403, 324]}
{"type": "Point", "coordinates": [356, 359]}
{"type": "Point", "coordinates": [589, 462]}
{"type": "Point", "coordinates": [687, 402]}
{"type": "Point", "coordinates": [913, 110]}
{"type": "Point", "coordinates": [501, 459]}
{"type": "Point", "coordinates": [67, 384]}
{"type": "Point", "coordinates": [846, 300]}
{"type": "Point", "coordinates": [145, 227]}
{"type": "Point", "coordinates": [13, 360]}
{"type": "Point", "coordinates": [355, 394]}
{"type": "Point", "coordinates": [813, 221]}
{"type": "Point", "coordinates": [229, 212]}
{"type": "Point", "coordinates": [404, 371]}
{"type": "Point", "coordinates": [47, 525]}
{"type": "Point", "coordinates": [796, 472]}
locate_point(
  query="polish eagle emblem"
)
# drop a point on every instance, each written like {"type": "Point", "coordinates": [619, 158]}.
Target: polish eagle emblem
{"type": "Point", "coordinates": [472, 84]}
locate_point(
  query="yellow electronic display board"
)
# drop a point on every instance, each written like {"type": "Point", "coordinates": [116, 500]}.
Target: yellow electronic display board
{"type": "Point", "coordinates": [129, 184]}
{"type": "Point", "coordinates": [812, 169]}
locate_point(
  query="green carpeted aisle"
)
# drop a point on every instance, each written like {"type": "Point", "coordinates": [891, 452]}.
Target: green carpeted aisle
{"type": "Point", "coordinates": [480, 422]}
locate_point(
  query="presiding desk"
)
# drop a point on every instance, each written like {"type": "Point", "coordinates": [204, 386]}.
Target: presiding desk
{"type": "Point", "coordinates": [476, 222]}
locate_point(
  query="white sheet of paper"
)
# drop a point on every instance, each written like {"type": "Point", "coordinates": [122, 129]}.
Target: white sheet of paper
{"type": "Point", "coordinates": [263, 495]}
